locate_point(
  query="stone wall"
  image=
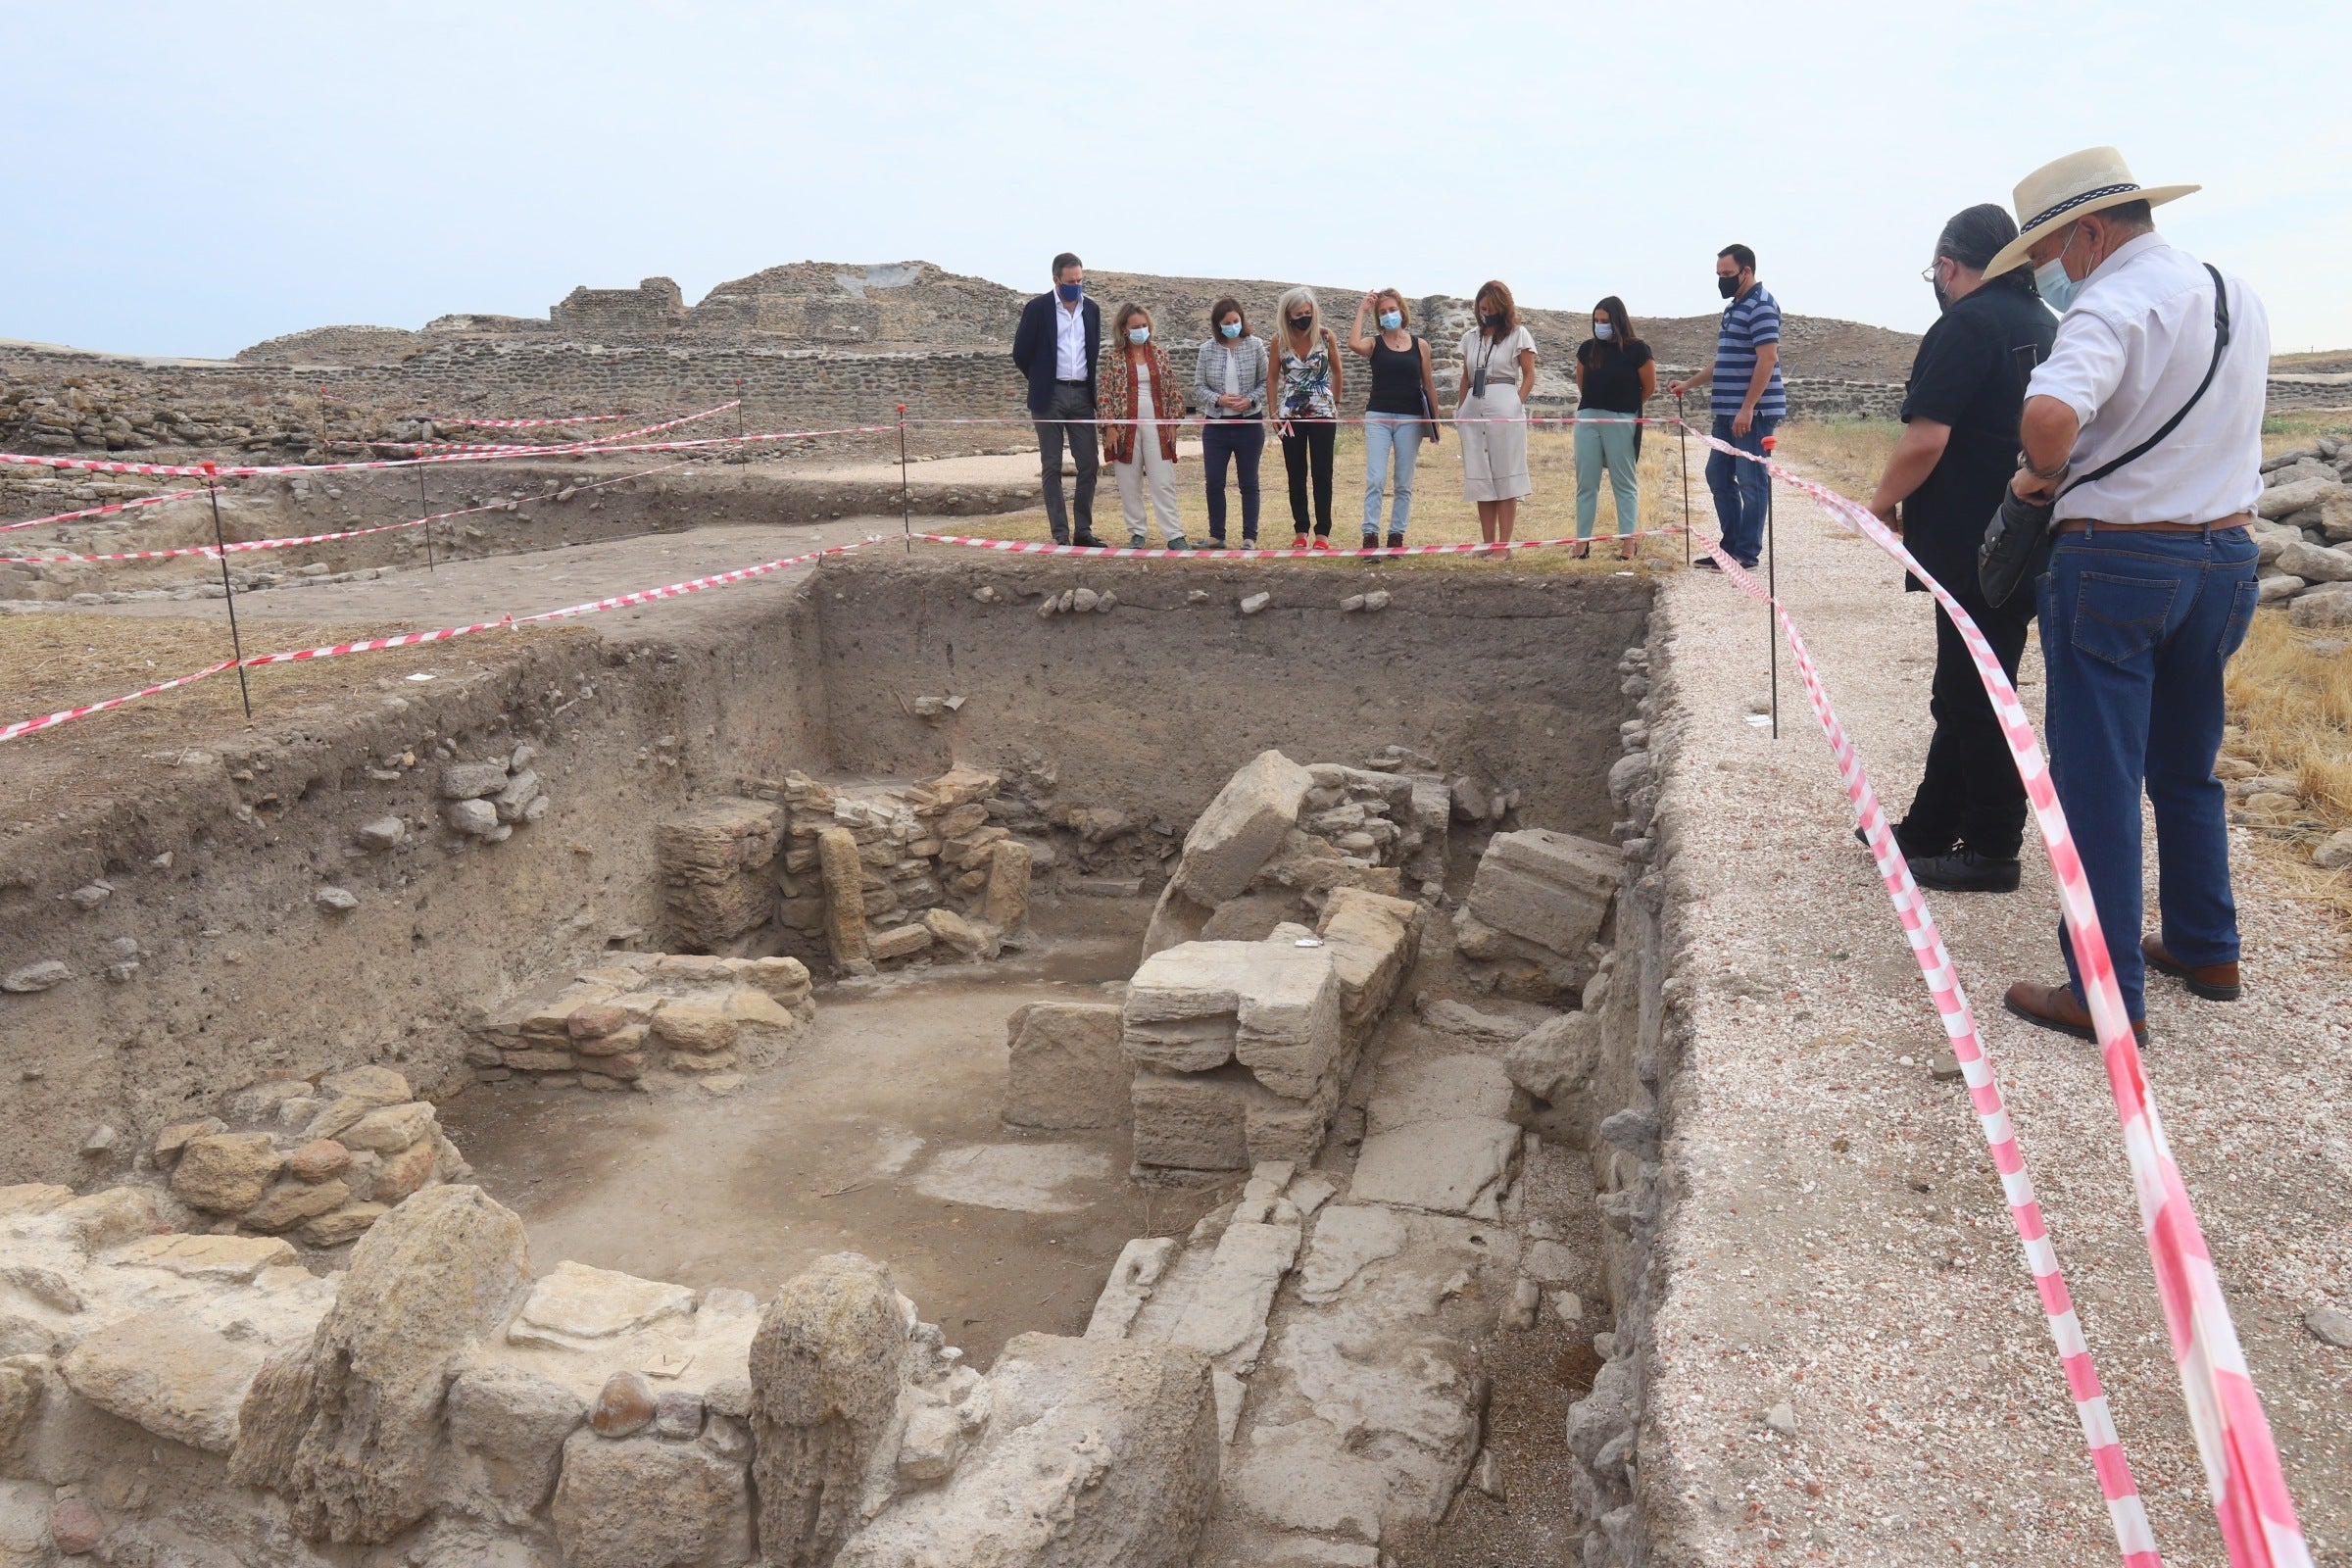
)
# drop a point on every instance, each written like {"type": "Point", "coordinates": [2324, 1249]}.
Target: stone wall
{"type": "Point", "coordinates": [596, 314]}
{"type": "Point", "coordinates": [161, 1390]}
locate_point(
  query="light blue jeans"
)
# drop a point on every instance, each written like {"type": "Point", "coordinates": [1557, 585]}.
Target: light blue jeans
{"type": "Point", "coordinates": [1605, 442]}
{"type": "Point", "coordinates": [1390, 438]}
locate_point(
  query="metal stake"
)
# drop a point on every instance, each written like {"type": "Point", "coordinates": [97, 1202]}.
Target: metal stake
{"type": "Point", "coordinates": [1682, 446]}
{"type": "Point", "coordinates": [743, 453]}
{"type": "Point", "coordinates": [1772, 630]}
{"type": "Point", "coordinates": [905, 496]}
{"type": "Point", "coordinates": [237, 642]}
{"type": "Point", "coordinates": [425, 511]}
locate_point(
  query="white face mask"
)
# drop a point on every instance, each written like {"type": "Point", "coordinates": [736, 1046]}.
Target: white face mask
{"type": "Point", "coordinates": [1603, 330]}
{"type": "Point", "coordinates": [2058, 289]}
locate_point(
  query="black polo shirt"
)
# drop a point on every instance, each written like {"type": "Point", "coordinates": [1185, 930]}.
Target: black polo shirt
{"type": "Point", "coordinates": [1968, 374]}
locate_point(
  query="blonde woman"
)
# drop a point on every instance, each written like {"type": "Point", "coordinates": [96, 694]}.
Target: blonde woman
{"type": "Point", "coordinates": [1403, 412]}
{"type": "Point", "coordinates": [1306, 408]}
{"type": "Point", "coordinates": [1140, 404]}
{"type": "Point", "coordinates": [1498, 376]}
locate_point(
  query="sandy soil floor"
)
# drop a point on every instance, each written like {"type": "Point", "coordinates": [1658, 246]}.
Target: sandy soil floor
{"type": "Point", "coordinates": [1843, 1245]}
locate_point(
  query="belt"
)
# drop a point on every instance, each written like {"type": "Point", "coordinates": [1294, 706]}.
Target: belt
{"type": "Point", "coordinates": [2236, 519]}
{"type": "Point", "coordinates": [1081, 381]}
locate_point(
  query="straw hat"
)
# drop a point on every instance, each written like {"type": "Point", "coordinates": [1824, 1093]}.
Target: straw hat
{"type": "Point", "coordinates": [2060, 192]}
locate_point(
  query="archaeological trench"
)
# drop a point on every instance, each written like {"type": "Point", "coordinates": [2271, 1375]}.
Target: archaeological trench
{"type": "Point", "coordinates": [942, 1064]}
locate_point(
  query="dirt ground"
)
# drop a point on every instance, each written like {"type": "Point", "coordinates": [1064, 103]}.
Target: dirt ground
{"type": "Point", "coordinates": [881, 1134]}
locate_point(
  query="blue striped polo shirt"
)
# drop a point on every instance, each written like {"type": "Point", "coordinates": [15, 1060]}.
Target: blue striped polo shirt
{"type": "Point", "coordinates": [1748, 322]}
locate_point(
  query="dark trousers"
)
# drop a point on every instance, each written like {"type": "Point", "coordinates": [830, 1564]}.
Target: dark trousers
{"type": "Point", "coordinates": [1244, 442]}
{"type": "Point", "coordinates": [1740, 488]}
{"type": "Point", "coordinates": [1970, 796]}
{"type": "Point", "coordinates": [1069, 403]}
{"type": "Point", "coordinates": [1307, 445]}
{"type": "Point", "coordinates": [2137, 629]}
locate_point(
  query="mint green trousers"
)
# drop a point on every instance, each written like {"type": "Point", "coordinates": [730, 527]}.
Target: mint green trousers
{"type": "Point", "coordinates": [1604, 442]}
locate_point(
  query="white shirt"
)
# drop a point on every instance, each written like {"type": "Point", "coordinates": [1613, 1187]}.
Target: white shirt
{"type": "Point", "coordinates": [2128, 356]}
{"type": "Point", "coordinates": [1069, 341]}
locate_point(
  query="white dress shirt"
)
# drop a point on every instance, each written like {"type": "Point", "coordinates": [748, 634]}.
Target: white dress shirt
{"type": "Point", "coordinates": [2128, 356]}
{"type": "Point", "coordinates": [1069, 341]}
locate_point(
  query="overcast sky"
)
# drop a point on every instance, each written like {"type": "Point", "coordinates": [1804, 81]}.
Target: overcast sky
{"type": "Point", "coordinates": [190, 179]}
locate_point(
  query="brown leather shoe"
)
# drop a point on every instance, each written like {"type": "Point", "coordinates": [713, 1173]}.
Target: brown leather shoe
{"type": "Point", "coordinates": [2215, 982]}
{"type": "Point", "coordinates": [2055, 1007]}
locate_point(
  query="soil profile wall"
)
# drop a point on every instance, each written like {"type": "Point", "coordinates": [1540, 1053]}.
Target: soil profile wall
{"type": "Point", "coordinates": [1153, 706]}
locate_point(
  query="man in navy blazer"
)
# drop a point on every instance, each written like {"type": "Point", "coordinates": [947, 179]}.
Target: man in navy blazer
{"type": "Point", "coordinates": [1056, 347]}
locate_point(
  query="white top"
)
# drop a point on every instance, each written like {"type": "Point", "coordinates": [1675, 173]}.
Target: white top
{"type": "Point", "coordinates": [1503, 366]}
{"type": "Point", "coordinates": [1233, 378]}
{"type": "Point", "coordinates": [2128, 356]}
{"type": "Point", "coordinates": [1069, 341]}
{"type": "Point", "coordinates": [1144, 410]}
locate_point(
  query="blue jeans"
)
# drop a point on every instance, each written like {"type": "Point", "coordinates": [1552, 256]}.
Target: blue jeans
{"type": "Point", "coordinates": [2135, 632]}
{"type": "Point", "coordinates": [1740, 488]}
{"type": "Point", "coordinates": [1386, 436]}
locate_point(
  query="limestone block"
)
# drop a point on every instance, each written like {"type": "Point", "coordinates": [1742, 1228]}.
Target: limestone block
{"type": "Point", "coordinates": [33, 1198]}
{"type": "Point", "coordinates": [1301, 1476]}
{"type": "Point", "coordinates": [1548, 888]}
{"type": "Point", "coordinates": [1176, 918]}
{"type": "Point", "coordinates": [1277, 1127]}
{"type": "Point", "coordinates": [508, 1425]}
{"type": "Point", "coordinates": [898, 942]}
{"type": "Point", "coordinates": [375, 1086]}
{"type": "Point", "coordinates": [574, 1301]}
{"type": "Point", "coordinates": [960, 785]}
{"type": "Point", "coordinates": [319, 1161]}
{"type": "Point", "coordinates": [334, 1119]}
{"type": "Point", "coordinates": [1133, 1278]}
{"type": "Point", "coordinates": [391, 1129]}
{"type": "Point", "coordinates": [167, 1373]}
{"type": "Point", "coordinates": [1067, 1068]}
{"type": "Point", "coordinates": [1272, 1005]}
{"type": "Point", "coordinates": [22, 1388]}
{"type": "Point", "coordinates": [172, 1140]}
{"type": "Point", "coordinates": [845, 905]}
{"type": "Point", "coordinates": [291, 1203]}
{"type": "Point", "coordinates": [1194, 1122]}
{"type": "Point", "coordinates": [1244, 824]}
{"type": "Point", "coordinates": [761, 1019]}
{"type": "Point", "coordinates": [643, 1502]}
{"type": "Point", "coordinates": [1004, 904]}
{"type": "Point", "coordinates": [512, 801]}
{"type": "Point", "coordinates": [713, 842]}
{"type": "Point", "coordinates": [403, 1174]}
{"type": "Point", "coordinates": [1226, 1318]}
{"type": "Point", "coordinates": [2279, 500]}
{"type": "Point", "coordinates": [1099, 1451]}
{"type": "Point", "coordinates": [785, 979]}
{"type": "Point", "coordinates": [346, 1224]}
{"type": "Point", "coordinates": [697, 1024]}
{"type": "Point", "coordinates": [226, 1173]}
{"type": "Point", "coordinates": [466, 781]}
{"type": "Point", "coordinates": [1556, 1057]}
{"type": "Point", "coordinates": [826, 1367]}
{"type": "Point", "coordinates": [1455, 1166]}
{"type": "Point", "coordinates": [953, 931]}
{"type": "Point", "coordinates": [343, 1428]}
{"type": "Point", "coordinates": [235, 1260]}
{"type": "Point", "coordinates": [474, 818]}
{"type": "Point", "coordinates": [1348, 1238]}
{"type": "Point", "coordinates": [2316, 563]}
{"type": "Point", "coordinates": [1373, 940]}
{"type": "Point", "coordinates": [1418, 1088]}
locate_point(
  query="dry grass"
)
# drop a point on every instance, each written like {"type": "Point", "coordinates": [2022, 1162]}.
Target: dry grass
{"type": "Point", "coordinates": [1440, 515]}
{"type": "Point", "coordinates": [2290, 703]}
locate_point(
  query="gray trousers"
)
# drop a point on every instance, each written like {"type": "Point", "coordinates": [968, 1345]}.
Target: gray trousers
{"type": "Point", "coordinates": [1069, 403]}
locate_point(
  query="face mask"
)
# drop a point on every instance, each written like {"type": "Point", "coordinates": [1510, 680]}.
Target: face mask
{"type": "Point", "coordinates": [1943, 301]}
{"type": "Point", "coordinates": [1727, 287]}
{"type": "Point", "coordinates": [1603, 330]}
{"type": "Point", "coordinates": [1070, 291]}
{"type": "Point", "coordinates": [2057, 289]}
{"type": "Point", "coordinates": [1139, 334]}
{"type": "Point", "coordinates": [1230, 328]}
{"type": "Point", "coordinates": [1300, 324]}
{"type": "Point", "coordinates": [1391, 321]}
{"type": "Point", "coordinates": [1492, 321]}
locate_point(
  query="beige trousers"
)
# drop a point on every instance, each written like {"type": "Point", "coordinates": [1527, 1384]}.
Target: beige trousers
{"type": "Point", "coordinates": [1149, 472]}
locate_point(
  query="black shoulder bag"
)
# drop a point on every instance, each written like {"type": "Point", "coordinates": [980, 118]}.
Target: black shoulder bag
{"type": "Point", "coordinates": [2017, 543]}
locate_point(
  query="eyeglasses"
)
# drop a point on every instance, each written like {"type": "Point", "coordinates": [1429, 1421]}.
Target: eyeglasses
{"type": "Point", "coordinates": [1926, 273]}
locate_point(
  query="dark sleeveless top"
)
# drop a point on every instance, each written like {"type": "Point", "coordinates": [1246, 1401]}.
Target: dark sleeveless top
{"type": "Point", "coordinates": [1396, 378]}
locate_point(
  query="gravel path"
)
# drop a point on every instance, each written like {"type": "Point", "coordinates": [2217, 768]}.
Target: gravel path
{"type": "Point", "coordinates": [1841, 1243]}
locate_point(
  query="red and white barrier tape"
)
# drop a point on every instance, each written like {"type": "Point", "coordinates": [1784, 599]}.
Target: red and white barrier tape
{"type": "Point", "coordinates": [1038, 547]}
{"type": "Point", "coordinates": [531, 425]}
{"type": "Point", "coordinates": [1197, 421]}
{"type": "Point", "coordinates": [238, 545]}
{"type": "Point", "coordinates": [721, 580]}
{"type": "Point", "coordinates": [2243, 1474]}
{"type": "Point", "coordinates": [529, 449]}
{"type": "Point", "coordinates": [100, 512]}
{"type": "Point", "coordinates": [214, 471]}
{"type": "Point", "coordinates": [2123, 1510]}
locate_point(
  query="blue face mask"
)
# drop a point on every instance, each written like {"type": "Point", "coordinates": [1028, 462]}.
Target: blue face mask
{"type": "Point", "coordinates": [1070, 291]}
{"type": "Point", "coordinates": [1605, 330]}
{"type": "Point", "coordinates": [2057, 289]}
{"type": "Point", "coordinates": [1391, 321]}
{"type": "Point", "coordinates": [1230, 328]}
{"type": "Point", "coordinates": [1139, 334]}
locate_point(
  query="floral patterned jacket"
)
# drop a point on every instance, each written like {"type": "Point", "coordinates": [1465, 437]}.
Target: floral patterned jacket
{"type": "Point", "coordinates": [1117, 402]}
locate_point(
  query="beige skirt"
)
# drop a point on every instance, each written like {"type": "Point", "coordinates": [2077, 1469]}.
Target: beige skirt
{"type": "Point", "coordinates": [1494, 456]}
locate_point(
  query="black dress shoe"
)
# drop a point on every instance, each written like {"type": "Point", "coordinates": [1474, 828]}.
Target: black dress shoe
{"type": "Point", "coordinates": [1705, 564]}
{"type": "Point", "coordinates": [1964, 872]}
{"type": "Point", "coordinates": [1087, 541]}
